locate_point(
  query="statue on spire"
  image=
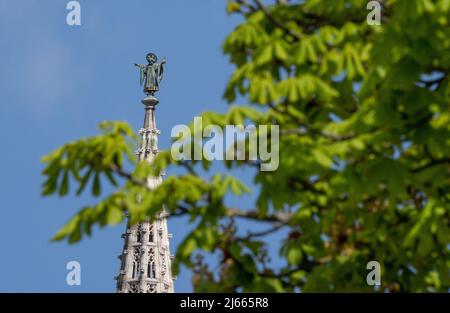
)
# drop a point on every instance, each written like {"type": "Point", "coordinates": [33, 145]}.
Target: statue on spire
{"type": "Point", "coordinates": [151, 74]}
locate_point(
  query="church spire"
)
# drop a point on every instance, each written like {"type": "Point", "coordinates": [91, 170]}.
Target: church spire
{"type": "Point", "coordinates": [146, 260]}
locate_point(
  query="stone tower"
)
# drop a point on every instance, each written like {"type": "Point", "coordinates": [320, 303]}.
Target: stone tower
{"type": "Point", "coordinates": [145, 259]}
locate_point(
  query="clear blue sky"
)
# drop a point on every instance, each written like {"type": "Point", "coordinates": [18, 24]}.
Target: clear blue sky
{"type": "Point", "coordinates": [57, 82]}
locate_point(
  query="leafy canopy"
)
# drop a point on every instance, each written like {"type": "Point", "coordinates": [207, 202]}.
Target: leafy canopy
{"type": "Point", "coordinates": [364, 153]}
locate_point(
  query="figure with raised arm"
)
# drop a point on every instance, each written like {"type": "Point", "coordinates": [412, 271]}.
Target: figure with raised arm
{"type": "Point", "coordinates": [151, 74]}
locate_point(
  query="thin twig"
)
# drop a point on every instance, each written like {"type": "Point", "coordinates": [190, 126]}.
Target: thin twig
{"type": "Point", "coordinates": [188, 167]}
{"type": "Point", "coordinates": [275, 21]}
{"type": "Point", "coordinates": [282, 217]}
{"type": "Point", "coordinates": [266, 232]}
{"type": "Point", "coordinates": [431, 164]}
{"type": "Point", "coordinates": [119, 171]}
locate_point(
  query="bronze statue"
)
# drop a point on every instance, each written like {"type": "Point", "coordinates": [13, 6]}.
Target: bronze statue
{"type": "Point", "coordinates": [151, 74]}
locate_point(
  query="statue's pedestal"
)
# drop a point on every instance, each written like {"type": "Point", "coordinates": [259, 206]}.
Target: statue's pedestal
{"type": "Point", "coordinates": [150, 101]}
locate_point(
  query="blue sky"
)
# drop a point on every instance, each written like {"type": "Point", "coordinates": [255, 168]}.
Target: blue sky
{"type": "Point", "coordinates": [57, 82]}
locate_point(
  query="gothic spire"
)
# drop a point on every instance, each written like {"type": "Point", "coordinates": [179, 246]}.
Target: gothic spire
{"type": "Point", "coordinates": [146, 260]}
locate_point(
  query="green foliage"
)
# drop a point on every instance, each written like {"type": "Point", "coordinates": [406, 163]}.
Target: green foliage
{"type": "Point", "coordinates": [87, 159]}
{"type": "Point", "coordinates": [364, 153]}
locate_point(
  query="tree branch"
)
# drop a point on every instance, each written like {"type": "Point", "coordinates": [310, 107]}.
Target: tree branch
{"type": "Point", "coordinates": [275, 21]}
{"type": "Point", "coordinates": [431, 164]}
{"type": "Point", "coordinates": [247, 5]}
{"type": "Point", "coordinates": [119, 171]}
{"type": "Point", "coordinates": [281, 217]}
{"type": "Point", "coordinates": [266, 232]}
{"type": "Point", "coordinates": [297, 131]}
{"type": "Point", "coordinates": [188, 167]}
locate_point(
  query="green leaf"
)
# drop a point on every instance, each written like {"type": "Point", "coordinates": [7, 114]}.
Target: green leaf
{"type": "Point", "coordinates": [280, 52]}
{"type": "Point", "coordinates": [64, 184]}
{"type": "Point", "coordinates": [96, 185]}
{"type": "Point", "coordinates": [294, 255]}
{"type": "Point", "coordinates": [423, 219]}
{"type": "Point", "coordinates": [322, 158]}
{"type": "Point", "coordinates": [84, 181]}
{"type": "Point", "coordinates": [115, 215]}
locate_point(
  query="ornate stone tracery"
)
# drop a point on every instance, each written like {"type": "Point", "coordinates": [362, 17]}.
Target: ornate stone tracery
{"type": "Point", "coordinates": [134, 287]}
{"type": "Point", "coordinates": [151, 234]}
{"type": "Point", "coordinates": [151, 288]}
